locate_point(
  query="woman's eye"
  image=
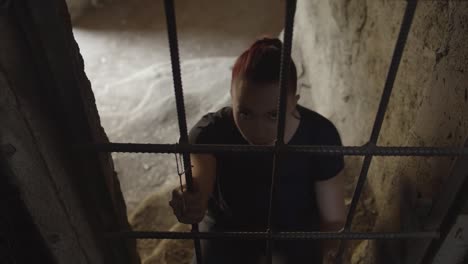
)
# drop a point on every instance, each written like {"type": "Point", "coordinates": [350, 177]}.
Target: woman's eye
{"type": "Point", "coordinates": [243, 115]}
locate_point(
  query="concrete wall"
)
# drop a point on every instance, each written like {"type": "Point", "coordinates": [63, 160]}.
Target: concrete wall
{"type": "Point", "coordinates": [46, 108]}
{"type": "Point", "coordinates": [343, 49]}
{"type": "Point", "coordinates": [37, 165]}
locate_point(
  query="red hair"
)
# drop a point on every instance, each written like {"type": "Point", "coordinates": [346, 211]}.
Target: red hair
{"type": "Point", "coordinates": [261, 64]}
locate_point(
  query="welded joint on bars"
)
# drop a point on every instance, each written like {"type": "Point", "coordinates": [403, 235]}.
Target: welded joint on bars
{"type": "Point", "coordinates": [269, 234]}
{"type": "Point", "coordinates": [369, 146]}
{"type": "Point", "coordinates": [279, 147]}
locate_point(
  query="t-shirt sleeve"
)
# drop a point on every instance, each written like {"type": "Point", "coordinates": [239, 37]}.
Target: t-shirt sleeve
{"type": "Point", "coordinates": [204, 131]}
{"type": "Point", "coordinates": [329, 166]}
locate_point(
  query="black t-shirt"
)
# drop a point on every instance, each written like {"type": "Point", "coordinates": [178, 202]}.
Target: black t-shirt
{"type": "Point", "coordinates": [240, 199]}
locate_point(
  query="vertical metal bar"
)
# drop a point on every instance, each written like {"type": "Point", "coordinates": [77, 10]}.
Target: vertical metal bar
{"type": "Point", "coordinates": [283, 85]}
{"type": "Point", "coordinates": [391, 76]}
{"type": "Point", "coordinates": [176, 73]}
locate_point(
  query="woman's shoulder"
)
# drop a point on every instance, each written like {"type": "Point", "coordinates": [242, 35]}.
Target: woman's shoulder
{"type": "Point", "coordinates": [210, 126]}
{"type": "Point", "coordinates": [312, 117]}
{"type": "Point", "coordinates": [215, 118]}
{"type": "Point", "coordinates": [318, 125]}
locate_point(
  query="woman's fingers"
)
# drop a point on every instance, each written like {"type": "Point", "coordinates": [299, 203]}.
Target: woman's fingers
{"type": "Point", "coordinates": [176, 207]}
{"type": "Point", "coordinates": [187, 206]}
{"type": "Point", "coordinates": [191, 218]}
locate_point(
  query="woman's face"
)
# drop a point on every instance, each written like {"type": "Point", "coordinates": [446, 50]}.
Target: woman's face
{"type": "Point", "coordinates": [255, 111]}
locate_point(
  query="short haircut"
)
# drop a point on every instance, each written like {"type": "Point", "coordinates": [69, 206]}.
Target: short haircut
{"type": "Point", "coordinates": [261, 64]}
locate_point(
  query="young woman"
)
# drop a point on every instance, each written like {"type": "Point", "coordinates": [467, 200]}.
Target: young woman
{"type": "Point", "coordinates": [232, 190]}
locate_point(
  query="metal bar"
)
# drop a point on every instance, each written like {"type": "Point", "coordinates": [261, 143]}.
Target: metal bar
{"type": "Point", "coordinates": [179, 96]}
{"type": "Point", "coordinates": [284, 70]}
{"type": "Point", "coordinates": [290, 11]}
{"type": "Point", "coordinates": [391, 76]}
{"type": "Point", "coordinates": [320, 150]}
{"type": "Point", "coordinates": [273, 235]}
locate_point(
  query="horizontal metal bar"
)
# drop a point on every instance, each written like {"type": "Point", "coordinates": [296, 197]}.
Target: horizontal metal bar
{"type": "Point", "coordinates": [274, 235]}
{"type": "Point", "coordinates": [322, 150]}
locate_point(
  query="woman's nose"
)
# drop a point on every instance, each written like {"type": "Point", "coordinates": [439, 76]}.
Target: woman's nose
{"type": "Point", "coordinates": [265, 131]}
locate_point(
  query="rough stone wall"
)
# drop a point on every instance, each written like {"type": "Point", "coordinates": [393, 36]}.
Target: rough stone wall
{"type": "Point", "coordinates": [72, 196]}
{"type": "Point", "coordinates": [343, 50]}
{"type": "Point", "coordinates": [37, 164]}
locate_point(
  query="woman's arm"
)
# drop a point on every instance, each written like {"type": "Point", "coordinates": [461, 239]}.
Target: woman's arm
{"type": "Point", "coordinates": [190, 207]}
{"type": "Point", "coordinates": [330, 201]}
{"type": "Point", "coordinates": [204, 174]}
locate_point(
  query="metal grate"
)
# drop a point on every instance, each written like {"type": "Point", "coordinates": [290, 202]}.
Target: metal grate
{"type": "Point", "coordinates": [369, 150]}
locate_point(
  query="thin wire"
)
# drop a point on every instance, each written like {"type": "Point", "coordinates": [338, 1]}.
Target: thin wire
{"type": "Point", "coordinates": [180, 180]}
